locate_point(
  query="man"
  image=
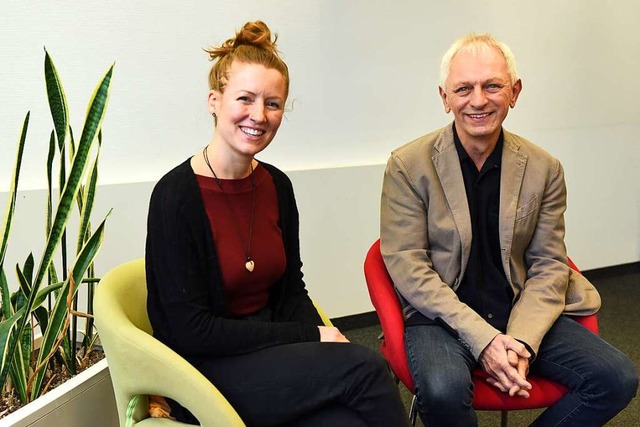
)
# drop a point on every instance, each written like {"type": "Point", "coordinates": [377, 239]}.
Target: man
{"type": "Point", "coordinates": [472, 233]}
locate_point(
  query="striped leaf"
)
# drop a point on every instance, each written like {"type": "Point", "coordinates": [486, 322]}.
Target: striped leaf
{"type": "Point", "coordinates": [57, 99]}
{"type": "Point", "coordinates": [7, 310]}
{"type": "Point", "coordinates": [8, 326]}
{"type": "Point", "coordinates": [21, 364]}
{"type": "Point", "coordinates": [11, 200]}
{"type": "Point", "coordinates": [50, 155]}
{"type": "Point", "coordinates": [19, 370]}
{"type": "Point", "coordinates": [88, 198]}
{"type": "Point", "coordinates": [59, 312]}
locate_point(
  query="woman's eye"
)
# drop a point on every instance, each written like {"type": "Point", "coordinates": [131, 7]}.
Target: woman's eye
{"type": "Point", "coordinates": [273, 105]}
{"type": "Point", "coordinates": [244, 99]}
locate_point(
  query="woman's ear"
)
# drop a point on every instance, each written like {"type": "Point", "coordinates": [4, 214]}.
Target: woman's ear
{"type": "Point", "coordinates": [213, 102]}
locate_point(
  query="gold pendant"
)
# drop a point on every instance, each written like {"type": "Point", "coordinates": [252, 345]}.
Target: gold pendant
{"type": "Point", "coordinates": [249, 265]}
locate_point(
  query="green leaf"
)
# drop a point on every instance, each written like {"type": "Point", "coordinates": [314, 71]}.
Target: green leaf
{"type": "Point", "coordinates": [8, 327]}
{"type": "Point", "coordinates": [59, 312]}
{"type": "Point", "coordinates": [89, 194]}
{"type": "Point", "coordinates": [42, 315]}
{"type": "Point", "coordinates": [50, 156]}
{"type": "Point", "coordinates": [28, 268]}
{"type": "Point", "coordinates": [11, 200]}
{"type": "Point", "coordinates": [57, 99]}
{"type": "Point", "coordinates": [7, 309]}
{"type": "Point", "coordinates": [25, 285]}
{"type": "Point", "coordinates": [44, 292]}
{"type": "Point", "coordinates": [20, 365]}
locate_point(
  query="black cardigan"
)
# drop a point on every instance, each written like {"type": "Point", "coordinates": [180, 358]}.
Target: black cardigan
{"type": "Point", "coordinates": [186, 303]}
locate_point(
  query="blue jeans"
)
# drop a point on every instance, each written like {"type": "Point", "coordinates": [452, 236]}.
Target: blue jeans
{"type": "Point", "coordinates": [601, 379]}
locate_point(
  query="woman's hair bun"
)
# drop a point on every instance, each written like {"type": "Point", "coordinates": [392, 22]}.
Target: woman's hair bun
{"type": "Point", "coordinates": [255, 33]}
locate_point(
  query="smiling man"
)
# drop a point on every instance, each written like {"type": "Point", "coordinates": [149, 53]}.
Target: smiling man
{"type": "Point", "coordinates": [472, 233]}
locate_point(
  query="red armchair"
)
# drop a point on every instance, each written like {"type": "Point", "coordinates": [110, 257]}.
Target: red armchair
{"type": "Point", "coordinates": [383, 296]}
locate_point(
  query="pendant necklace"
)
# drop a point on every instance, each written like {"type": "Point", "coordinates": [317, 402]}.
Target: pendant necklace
{"type": "Point", "coordinates": [249, 263]}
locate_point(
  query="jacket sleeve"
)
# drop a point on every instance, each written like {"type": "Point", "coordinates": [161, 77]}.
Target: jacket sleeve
{"type": "Point", "coordinates": [542, 298]}
{"type": "Point", "coordinates": [180, 289]}
{"type": "Point", "coordinates": [407, 247]}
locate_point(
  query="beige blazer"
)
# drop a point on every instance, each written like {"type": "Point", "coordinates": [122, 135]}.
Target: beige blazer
{"type": "Point", "coordinates": [426, 238]}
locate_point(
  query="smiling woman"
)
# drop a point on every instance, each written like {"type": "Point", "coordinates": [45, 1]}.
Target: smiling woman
{"type": "Point", "coordinates": [224, 276]}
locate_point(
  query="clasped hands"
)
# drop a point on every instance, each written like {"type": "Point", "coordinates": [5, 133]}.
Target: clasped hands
{"type": "Point", "coordinates": [506, 360]}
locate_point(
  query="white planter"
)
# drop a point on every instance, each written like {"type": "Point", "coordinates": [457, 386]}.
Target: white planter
{"type": "Point", "coordinates": [85, 400]}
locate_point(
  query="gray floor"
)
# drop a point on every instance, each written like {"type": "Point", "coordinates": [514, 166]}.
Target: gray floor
{"type": "Point", "coordinates": [619, 320]}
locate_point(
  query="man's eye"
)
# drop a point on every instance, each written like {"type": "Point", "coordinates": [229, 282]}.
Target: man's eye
{"type": "Point", "coordinates": [494, 87]}
{"type": "Point", "coordinates": [462, 90]}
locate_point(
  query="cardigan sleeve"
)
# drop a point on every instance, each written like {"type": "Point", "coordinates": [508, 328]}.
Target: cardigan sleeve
{"type": "Point", "coordinates": [294, 303]}
{"type": "Point", "coordinates": [184, 302]}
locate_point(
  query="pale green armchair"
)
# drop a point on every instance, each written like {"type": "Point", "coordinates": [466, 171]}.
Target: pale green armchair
{"type": "Point", "coordinates": [141, 366]}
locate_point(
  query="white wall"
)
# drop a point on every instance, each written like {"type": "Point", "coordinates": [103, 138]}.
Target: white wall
{"type": "Point", "coordinates": [364, 80]}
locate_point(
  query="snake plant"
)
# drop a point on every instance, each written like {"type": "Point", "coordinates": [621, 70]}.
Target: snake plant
{"type": "Point", "coordinates": [45, 302]}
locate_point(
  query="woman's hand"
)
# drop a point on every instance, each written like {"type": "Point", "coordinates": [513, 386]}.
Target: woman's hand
{"type": "Point", "coordinates": [331, 334]}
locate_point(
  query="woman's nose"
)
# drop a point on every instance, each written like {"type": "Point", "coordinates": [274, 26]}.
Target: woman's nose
{"type": "Point", "coordinates": [257, 113]}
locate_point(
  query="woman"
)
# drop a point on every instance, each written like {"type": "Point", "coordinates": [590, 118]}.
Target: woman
{"type": "Point", "coordinates": [224, 271]}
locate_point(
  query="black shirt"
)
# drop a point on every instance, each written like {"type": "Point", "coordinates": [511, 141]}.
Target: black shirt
{"type": "Point", "coordinates": [484, 286]}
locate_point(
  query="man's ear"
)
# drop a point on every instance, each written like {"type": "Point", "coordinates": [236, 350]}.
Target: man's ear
{"type": "Point", "coordinates": [445, 102]}
{"type": "Point", "coordinates": [517, 88]}
{"type": "Point", "coordinates": [213, 101]}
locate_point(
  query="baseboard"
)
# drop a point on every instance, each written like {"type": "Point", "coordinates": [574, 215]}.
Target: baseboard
{"type": "Point", "coordinates": [612, 271]}
{"type": "Point", "coordinates": [356, 321]}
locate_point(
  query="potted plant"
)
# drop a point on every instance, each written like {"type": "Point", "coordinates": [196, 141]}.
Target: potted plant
{"type": "Point", "coordinates": [46, 300]}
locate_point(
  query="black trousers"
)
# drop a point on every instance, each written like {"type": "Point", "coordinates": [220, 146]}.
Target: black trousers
{"type": "Point", "coordinates": [307, 384]}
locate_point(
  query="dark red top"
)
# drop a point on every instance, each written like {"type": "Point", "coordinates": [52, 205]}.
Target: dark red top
{"type": "Point", "coordinates": [246, 292]}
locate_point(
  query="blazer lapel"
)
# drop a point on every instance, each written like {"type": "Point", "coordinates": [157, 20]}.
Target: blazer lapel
{"type": "Point", "coordinates": [512, 175]}
{"type": "Point", "coordinates": [447, 165]}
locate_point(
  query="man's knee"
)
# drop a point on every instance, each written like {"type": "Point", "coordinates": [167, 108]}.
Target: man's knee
{"type": "Point", "coordinates": [626, 386]}
{"type": "Point", "coordinates": [443, 391]}
{"type": "Point", "coordinates": [618, 382]}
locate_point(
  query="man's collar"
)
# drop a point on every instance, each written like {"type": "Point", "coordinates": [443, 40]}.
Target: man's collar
{"type": "Point", "coordinates": [495, 156]}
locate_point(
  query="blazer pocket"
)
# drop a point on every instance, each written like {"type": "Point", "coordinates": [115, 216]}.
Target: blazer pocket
{"type": "Point", "coordinates": [527, 209]}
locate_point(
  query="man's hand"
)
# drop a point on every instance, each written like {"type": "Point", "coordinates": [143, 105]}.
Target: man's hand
{"type": "Point", "coordinates": [507, 362]}
{"type": "Point", "coordinates": [331, 334]}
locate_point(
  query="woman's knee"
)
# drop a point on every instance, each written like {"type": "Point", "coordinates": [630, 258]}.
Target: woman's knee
{"type": "Point", "coordinates": [366, 361]}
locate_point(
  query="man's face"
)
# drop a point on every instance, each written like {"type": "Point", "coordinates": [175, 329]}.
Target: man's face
{"type": "Point", "coordinates": [479, 92]}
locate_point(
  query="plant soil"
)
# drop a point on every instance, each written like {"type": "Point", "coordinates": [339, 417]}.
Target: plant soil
{"type": "Point", "coordinates": [56, 374]}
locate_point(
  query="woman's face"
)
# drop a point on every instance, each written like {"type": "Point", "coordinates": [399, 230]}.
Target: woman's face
{"type": "Point", "coordinates": [249, 111]}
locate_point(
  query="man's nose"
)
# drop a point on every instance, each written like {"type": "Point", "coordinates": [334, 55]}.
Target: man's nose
{"type": "Point", "coordinates": [478, 97]}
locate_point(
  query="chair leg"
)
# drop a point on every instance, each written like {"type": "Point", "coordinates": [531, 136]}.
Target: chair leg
{"type": "Point", "coordinates": [504, 418]}
{"type": "Point", "coordinates": [413, 412]}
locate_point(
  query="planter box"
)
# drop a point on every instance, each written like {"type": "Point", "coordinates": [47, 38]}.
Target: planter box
{"type": "Point", "coordinates": [85, 400]}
